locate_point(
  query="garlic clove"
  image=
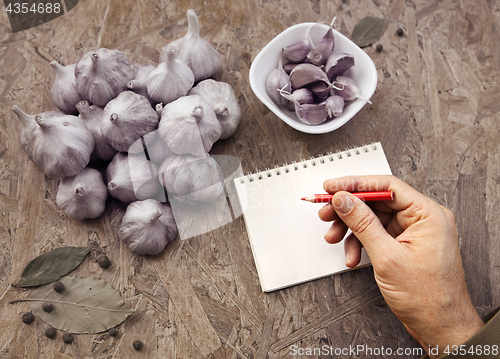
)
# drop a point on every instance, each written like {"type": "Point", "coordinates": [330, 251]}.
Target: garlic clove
{"type": "Point", "coordinates": [338, 63]}
{"type": "Point", "coordinates": [278, 80]}
{"type": "Point", "coordinates": [220, 96]}
{"type": "Point", "coordinates": [348, 89]}
{"type": "Point", "coordinates": [140, 81]}
{"type": "Point", "coordinates": [319, 54]}
{"type": "Point", "coordinates": [59, 144]}
{"type": "Point", "coordinates": [101, 75]}
{"type": "Point", "coordinates": [296, 52]}
{"type": "Point", "coordinates": [334, 105]}
{"type": "Point", "coordinates": [192, 178]}
{"type": "Point", "coordinates": [302, 96]}
{"type": "Point", "coordinates": [92, 115]}
{"type": "Point", "coordinates": [288, 67]}
{"type": "Point", "coordinates": [64, 93]}
{"type": "Point", "coordinates": [196, 52]}
{"type": "Point", "coordinates": [189, 126]}
{"type": "Point", "coordinates": [320, 89]}
{"type": "Point", "coordinates": [126, 118]}
{"type": "Point", "coordinates": [170, 80]}
{"type": "Point", "coordinates": [305, 74]}
{"type": "Point", "coordinates": [131, 177]}
{"type": "Point", "coordinates": [311, 114]}
{"type": "Point", "coordinates": [147, 227]}
{"type": "Point", "coordinates": [82, 195]}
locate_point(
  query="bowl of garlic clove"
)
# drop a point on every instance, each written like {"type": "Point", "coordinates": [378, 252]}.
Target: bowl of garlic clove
{"type": "Point", "coordinates": [363, 73]}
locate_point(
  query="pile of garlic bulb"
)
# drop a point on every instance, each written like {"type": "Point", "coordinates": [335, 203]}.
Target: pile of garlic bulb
{"type": "Point", "coordinates": [150, 126]}
{"type": "Point", "coordinates": [310, 79]}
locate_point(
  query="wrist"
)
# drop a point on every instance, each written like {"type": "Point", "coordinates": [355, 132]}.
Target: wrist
{"type": "Point", "coordinates": [449, 335]}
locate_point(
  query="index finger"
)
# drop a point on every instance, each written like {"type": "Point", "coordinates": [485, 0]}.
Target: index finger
{"type": "Point", "coordinates": [404, 194]}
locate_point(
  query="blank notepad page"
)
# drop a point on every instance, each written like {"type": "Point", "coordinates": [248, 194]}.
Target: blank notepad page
{"type": "Point", "coordinates": [285, 232]}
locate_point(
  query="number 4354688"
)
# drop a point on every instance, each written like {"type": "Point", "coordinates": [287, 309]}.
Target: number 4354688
{"type": "Point", "coordinates": [40, 8]}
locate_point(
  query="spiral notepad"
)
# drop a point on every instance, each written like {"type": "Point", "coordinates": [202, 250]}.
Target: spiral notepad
{"type": "Point", "coordinates": [286, 234]}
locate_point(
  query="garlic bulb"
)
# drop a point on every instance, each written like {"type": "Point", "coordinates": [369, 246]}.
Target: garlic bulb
{"type": "Point", "coordinates": [189, 126]}
{"type": "Point", "coordinates": [126, 118]}
{"type": "Point", "coordinates": [93, 118]}
{"type": "Point", "coordinates": [157, 149]}
{"type": "Point", "coordinates": [192, 178]}
{"type": "Point", "coordinates": [59, 144]}
{"type": "Point", "coordinates": [140, 81]}
{"type": "Point", "coordinates": [101, 75]}
{"type": "Point", "coordinates": [131, 177]}
{"type": "Point", "coordinates": [196, 52]}
{"type": "Point", "coordinates": [170, 80]}
{"type": "Point", "coordinates": [82, 195]}
{"type": "Point", "coordinates": [64, 93]}
{"type": "Point", "coordinates": [147, 226]}
{"type": "Point", "coordinates": [220, 96]}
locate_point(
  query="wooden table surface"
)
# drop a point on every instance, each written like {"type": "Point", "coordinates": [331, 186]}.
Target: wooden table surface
{"type": "Point", "coordinates": [435, 110]}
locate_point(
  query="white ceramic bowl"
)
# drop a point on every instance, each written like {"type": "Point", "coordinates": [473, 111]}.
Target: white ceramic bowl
{"type": "Point", "coordinates": [363, 72]}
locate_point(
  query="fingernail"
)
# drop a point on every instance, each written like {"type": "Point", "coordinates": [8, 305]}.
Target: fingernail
{"type": "Point", "coordinates": [343, 204]}
{"type": "Point", "coordinates": [347, 259]}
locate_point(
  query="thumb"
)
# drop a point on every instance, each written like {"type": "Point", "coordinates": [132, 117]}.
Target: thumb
{"type": "Point", "coordinates": [364, 224]}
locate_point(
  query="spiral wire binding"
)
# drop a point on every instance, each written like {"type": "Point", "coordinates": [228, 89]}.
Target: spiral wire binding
{"type": "Point", "coordinates": [321, 159]}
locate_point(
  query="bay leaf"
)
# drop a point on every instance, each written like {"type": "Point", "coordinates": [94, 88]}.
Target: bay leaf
{"type": "Point", "coordinates": [51, 266]}
{"type": "Point", "coordinates": [368, 30]}
{"type": "Point", "coordinates": [87, 305]}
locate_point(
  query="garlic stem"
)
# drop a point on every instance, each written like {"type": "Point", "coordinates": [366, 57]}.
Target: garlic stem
{"type": "Point", "coordinates": [23, 116]}
{"type": "Point", "coordinates": [193, 24]}
{"type": "Point", "coordinates": [83, 108]}
{"type": "Point", "coordinates": [159, 109]}
{"type": "Point", "coordinates": [197, 113]}
{"type": "Point", "coordinates": [80, 191]}
{"type": "Point", "coordinates": [111, 186]}
{"type": "Point", "coordinates": [130, 84]}
{"type": "Point", "coordinates": [58, 68]}
{"type": "Point", "coordinates": [333, 21]}
{"type": "Point", "coordinates": [38, 119]}
{"type": "Point", "coordinates": [113, 118]}
{"type": "Point", "coordinates": [171, 56]}
{"type": "Point", "coordinates": [155, 216]}
{"type": "Point", "coordinates": [221, 109]}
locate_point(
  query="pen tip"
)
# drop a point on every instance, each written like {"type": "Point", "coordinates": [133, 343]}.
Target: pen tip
{"type": "Point", "coordinates": [303, 198]}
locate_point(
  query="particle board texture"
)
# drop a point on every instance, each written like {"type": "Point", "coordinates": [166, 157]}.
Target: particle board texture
{"type": "Point", "coordinates": [436, 111]}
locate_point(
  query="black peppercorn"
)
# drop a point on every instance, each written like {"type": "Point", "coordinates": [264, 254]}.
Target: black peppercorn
{"type": "Point", "coordinates": [27, 317]}
{"type": "Point", "coordinates": [137, 344]}
{"type": "Point", "coordinates": [68, 338]}
{"type": "Point", "coordinates": [103, 261]}
{"type": "Point", "coordinates": [379, 47]}
{"type": "Point", "coordinates": [399, 32]}
{"type": "Point", "coordinates": [47, 307]}
{"type": "Point", "coordinates": [58, 287]}
{"type": "Point", "coordinates": [50, 332]}
{"type": "Point", "coordinates": [113, 332]}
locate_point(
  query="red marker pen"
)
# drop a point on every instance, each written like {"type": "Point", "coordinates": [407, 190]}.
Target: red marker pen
{"type": "Point", "coordinates": [365, 196]}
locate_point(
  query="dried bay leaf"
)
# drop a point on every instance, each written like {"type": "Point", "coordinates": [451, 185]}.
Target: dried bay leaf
{"type": "Point", "coordinates": [51, 266]}
{"type": "Point", "coordinates": [368, 30]}
{"type": "Point", "coordinates": [87, 305]}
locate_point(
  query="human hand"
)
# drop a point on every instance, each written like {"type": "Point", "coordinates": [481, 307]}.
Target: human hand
{"type": "Point", "coordinates": [413, 247]}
